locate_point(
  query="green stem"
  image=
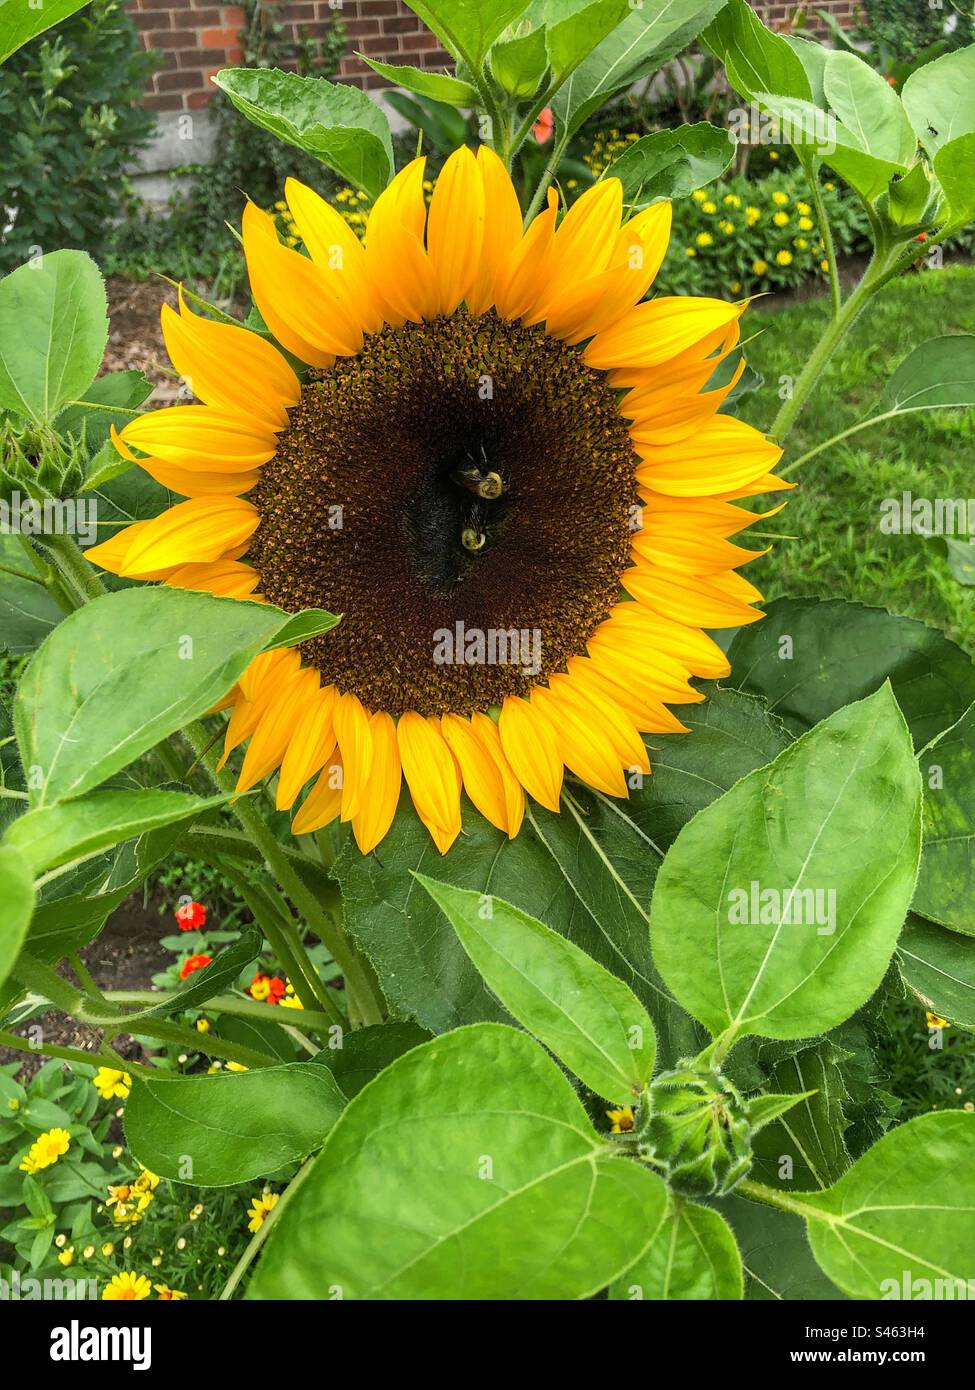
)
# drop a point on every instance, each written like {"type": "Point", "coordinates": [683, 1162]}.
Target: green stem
{"type": "Point", "coordinates": [773, 1198]}
{"type": "Point", "coordinates": [34, 578]}
{"type": "Point", "coordinates": [816, 189]}
{"type": "Point", "coordinates": [76, 1054]}
{"type": "Point", "coordinates": [263, 1231]}
{"type": "Point", "coordinates": [548, 174]}
{"type": "Point", "coordinates": [228, 1004]}
{"type": "Point", "coordinates": [838, 438]}
{"type": "Point", "coordinates": [79, 578]}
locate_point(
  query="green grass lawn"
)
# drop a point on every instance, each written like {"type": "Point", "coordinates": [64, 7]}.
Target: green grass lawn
{"type": "Point", "coordinates": [834, 514]}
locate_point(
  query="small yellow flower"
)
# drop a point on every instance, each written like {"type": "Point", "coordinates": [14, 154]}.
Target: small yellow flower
{"type": "Point", "coordinates": [690, 251]}
{"type": "Point", "coordinates": [197, 1212]}
{"type": "Point", "coordinates": [108, 1249]}
{"type": "Point", "coordinates": [935, 1021]}
{"type": "Point", "coordinates": [111, 1084]}
{"type": "Point", "coordinates": [66, 1255]}
{"type": "Point", "coordinates": [731, 200]}
{"type": "Point", "coordinates": [774, 154]}
{"type": "Point", "coordinates": [214, 1066]}
{"type": "Point", "coordinates": [699, 195]}
{"type": "Point", "coordinates": [127, 1287]}
{"type": "Point", "coordinates": [780, 199]}
{"type": "Point", "coordinates": [46, 1149]}
{"type": "Point", "coordinates": [830, 186]}
{"type": "Point", "coordinates": [727, 227]}
{"type": "Point", "coordinates": [709, 207]}
{"type": "Point", "coordinates": [824, 267]}
{"type": "Point", "coordinates": [759, 267]}
{"type": "Point", "coordinates": [236, 1066]}
{"type": "Point", "coordinates": [783, 257]}
{"type": "Point", "coordinates": [290, 1001]}
{"type": "Point", "coordinates": [621, 1121]}
{"type": "Point", "coordinates": [261, 988]}
{"type": "Point", "coordinates": [800, 243]}
{"type": "Point", "coordinates": [806, 224]}
{"type": "Point", "coordinates": [203, 1025]}
{"type": "Point", "coordinates": [781, 219]}
{"type": "Point", "coordinates": [735, 286]}
{"type": "Point", "coordinates": [156, 1261]}
{"type": "Point", "coordinates": [259, 1209]}
{"type": "Point", "coordinates": [803, 208]}
{"type": "Point", "coordinates": [168, 1295]}
{"type": "Point", "coordinates": [753, 215]}
{"type": "Point", "coordinates": [704, 238]}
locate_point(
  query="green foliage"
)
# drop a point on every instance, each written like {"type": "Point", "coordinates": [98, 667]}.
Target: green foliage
{"type": "Point", "coordinates": [71, 122]}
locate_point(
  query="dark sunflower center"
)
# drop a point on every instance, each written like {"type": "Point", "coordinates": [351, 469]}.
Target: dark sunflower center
{"type": "Point", "coordinates": [461, 492]}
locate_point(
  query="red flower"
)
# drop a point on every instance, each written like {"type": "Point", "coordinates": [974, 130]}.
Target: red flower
{"type": "Point", "coordinates": [276, 991]}
{"type": "Point", "coordinates": [191, 916]}
{"type": "Point", "coordinates": [544, 126]}
{"type": "Point", "coordinates": [194, 963]}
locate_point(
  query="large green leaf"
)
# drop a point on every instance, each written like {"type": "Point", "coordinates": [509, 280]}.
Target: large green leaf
{"type": "Point", "coordinates": [588, 872]}
{"type": "Point", "coordinates": [467, 1170]}
{"type": "Point", "coordinates": [53, 331]}
{"type": "Point", "coordinates": [330, 121]}
{"type": "Point", "coordinates": [232, 1127]}
{"type": "Point", "coordinates": [573, 28]}
{"type": "Point", "coordinates": [935, 374]}
{"type": "Point", "coordinates": [869, 108]}
{"type": "Point", "coordinates": [938, 966]}
{"type": "Point", "coordinates": [810, 1135]}
{"type": "Point", "coordinates": [637, 48]}
{"type": "Point", "coordinates": [368, 1051]}
{"type": "Point", "coordinates": [590, 1019]}
{"type": "Point", "coordinates": [755, 59]}
{"type": "Point", "coordinates": [28, 612]}
{"type": "Point", "coordinates": [946, 880]}
{"type": "Point", "coordinates": [672, 163]}
{"type": "Point", "coordinates": [21, 21]}
{"type": "Point", "coordinates": [127, 670]}
{"type": "Point", "coordinates": [693, 1256]}
{"type": "Point", "coordinates": [904, 1212]}
{"type": "Point", "coordinates": [953, 168]}
{"type": "Point", "coordinates": [814, 132]}
{"type": "Point", "coordinates": [939, 99]}
{"type": "Point", "coordinates": [54, 835]}
{"type": "Point", "coordinates": [831, 830]}
{"type": "Point", "coordinates": [777, 1261]}
{"type": "Point", "coordinates": [810, 657]}
{"type": "Point", "coordinates": [16, 905]}
{"type": "Point", "coordinates": [467, 28]}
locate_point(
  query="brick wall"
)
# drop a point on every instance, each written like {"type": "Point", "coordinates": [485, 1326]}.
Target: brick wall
{"type": "Point", "coordinates": [196, 38]}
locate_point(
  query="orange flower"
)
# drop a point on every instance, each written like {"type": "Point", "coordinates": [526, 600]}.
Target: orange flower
{"type": "Point", "coordinates": [191, 916]}
{"type": "Point", "coordinates": [544, 126]}
{"type": "Point", "coordinates": [194, 963]}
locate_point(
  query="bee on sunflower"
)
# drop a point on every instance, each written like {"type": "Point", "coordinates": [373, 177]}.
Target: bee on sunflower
{"type": "Point", "coordinates": [490, 431]}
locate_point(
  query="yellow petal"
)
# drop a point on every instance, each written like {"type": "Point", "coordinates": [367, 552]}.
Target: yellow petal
{"type": "Point", "coordinates": [519, 283]}
{"type": "Point", "coordinates": [532, 750]}
{"type": "Point", "coordinates": [195, 482]}
{"type": "Point", "coordinates": [292, 296]}
{"type": "Point", "coordinates": [230, 367]}
{"type": "Point", "coordinates": [486, 731]}
{"type": "Point", "coordinates": [323, 803]}
{"type": "Point", "coordinates": [594, 705]}
{"type": "Point", "coordinates": [432, 776]}
{"type": "Point", "coordinates": [355, 744]}
{"type": "Point", "coordinates": [657, 330]}
{"type": "Point", "coordinates": [274, 728]}
{"type": "Point", "coordinates": [381, 797]}
{"type": "Point", "coordinates": [502, 229]}
{"type": "Point", "coordinates": [195, 532]}
{"type": "Point", "coordinates": [585, 748]}
{"type": "Point", "coordinates": [399, 267]}
{"type": "Point", "coordinates": [111, 555]}
{"type": "Point", "coordinates": [201, 436]}
{"type": "Point", "coordinates": [724, 453]}
{"type": "Point", "coordinates": [713, 602]}
{"type": "Point", "coordinates": [482, 777]}
{"type": "Point", "coordinates": [585, 240]}
{"type": "Point", "coordinates": [338, 253]}
{"type": "Point", "coordinates": [225, 578]}
{"type": "Point", "coordinates": [455, 228]}
{"type": "Point", "coordinates": [309, 748]}
{"type": "Point", "coordinates": [266, 679]}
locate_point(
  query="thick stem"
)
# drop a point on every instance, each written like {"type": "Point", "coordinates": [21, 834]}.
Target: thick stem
{"type": "Point", "coordinates": [548, 174]}
{"type": "Point", "coordinates": [758, 1192]}
{"type": "Point", "coordinates": [309, 1020]}
{"type": "Point", "coordinates": [816, 189]}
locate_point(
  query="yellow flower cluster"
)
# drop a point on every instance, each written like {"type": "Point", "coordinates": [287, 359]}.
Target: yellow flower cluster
{"type": "Point", "coordinates": [46, 1149]}
{"type": "Point", "coordinates": [607, 147]}
{"type": "Point", "coordinates": [130, 1200]}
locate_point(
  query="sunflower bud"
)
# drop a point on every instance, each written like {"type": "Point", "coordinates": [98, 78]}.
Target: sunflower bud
{"type": "Point", "coordinates": [697, 1130]}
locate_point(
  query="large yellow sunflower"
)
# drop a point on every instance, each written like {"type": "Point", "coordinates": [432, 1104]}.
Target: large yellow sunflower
{"type": "Point", "coordinates": [493, 439]}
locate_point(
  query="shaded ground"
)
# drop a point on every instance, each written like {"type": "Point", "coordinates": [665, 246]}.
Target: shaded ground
{"type": "Point", "coordinates": [135, 340]}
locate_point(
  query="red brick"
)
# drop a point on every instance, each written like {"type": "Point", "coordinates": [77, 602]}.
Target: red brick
{"type": "Point", "coordinates": [178, 81]}
{"type": "Point", "coordinates": [197, 99]}
{"type": "Point", "coordinates": [164, 103]}
{"type": "Point", "coordinates": [409, 24]}
{"type": "Point", "coordinates": [172, 38]}
{"type": "Point", "coordinates": [219, 38]}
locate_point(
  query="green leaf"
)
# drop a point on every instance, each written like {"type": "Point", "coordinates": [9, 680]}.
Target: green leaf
{"type": "Point", "coordinates": [519, 64]}
{"type": "Point", "coordinates": [797, 830]}
{"type": "Point", "coordinates": [20, 21]}
{"type": "Point", "coordinates": [813, 57]}
{"type": "Point", "coordinates": [776, 1258]}
{"type": "Point", "coordinates": [939, 99]}
{"type": "Point", "coordinates": [126, 670]}
{"type": "Point", "coordinates": [869, 108]}
{"type": "Point", "coordinates": [54, 835]}
{"type": "Point", "coordinates": [221, 974]}
{"type": "Point", "coordinates": [810, 1134]}
{"type": "Point", "coordinates": [27, 610]}
{"type": "Point", "coordinates": [53, 331]}
{"type": "Point", "coordinates": [467, 1170]}
{"type": "Point", "coordinates": [755, 59]}
{"type": "Point", "coordinates": [764, 1109]}
{"type": "Point", "coordinates": [938, 967]}
{"type": "Point", "coordinates": [435, 85]}
{"type": "Point", "coordinates": [467, 28]}
{"type": "Point", "coordinates": [587, 1017]}
{"type": "Point", "coordinates": [672, 163]}
{"type": "Point", "coordinates": [232, 1127]}
{"type": "Point", "coordinates": [122, 390]}
{"type": "Point", "coordinates": [368, 1051]}
{"type": "Point", "coordinates": [946, 879]}
{"type": "Point", "coordinates": [935, 374]}
{"type": "Point", "coordinates": [909, 196]}
{"type": "Point", "coordinates": [444, 128]}
{"type": "Point", "coordinates": [810, 657]}
{"type": "Point", "coordinates": [905, 1212]}
{"type": "Point", "coordinates": [589, 872]}
{"type": "Point", "coordinates": [330, 121]}
{"type": "Point", "coordinates": [812, 132]}
{"type": "Point", "coordinates": [953, 169]}
{"type": "Point", "coordinates": [635, 49]}
{"type": "Point", "coordinates": [693, 1256]}
{"type": "Point", "coordinates": [16, 905]}
{"type": "Point", "coordinates": [573, 28]}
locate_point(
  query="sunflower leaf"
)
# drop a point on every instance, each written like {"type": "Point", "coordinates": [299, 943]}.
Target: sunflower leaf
{"type": "Point", "coordinates": [938, 967]}
{"type": "Point", "coordinates": [17, 898]}
{"type": "Point", "coordinates": [693, 1256]}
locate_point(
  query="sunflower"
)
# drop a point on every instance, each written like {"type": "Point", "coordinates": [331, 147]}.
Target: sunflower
{"type": "Point", "coordinates": [495, 459]}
